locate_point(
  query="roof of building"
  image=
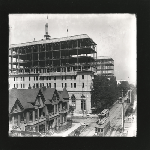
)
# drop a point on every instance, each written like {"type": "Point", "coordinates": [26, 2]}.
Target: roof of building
{"type": "Point", "coordinates": [23, 95]}
{"type": "Point", "coordinates": [48, 93]}
{"type": "Point", "coordinates": [65, 93]}
{"type": "Point", "coordinates": [54, 40]}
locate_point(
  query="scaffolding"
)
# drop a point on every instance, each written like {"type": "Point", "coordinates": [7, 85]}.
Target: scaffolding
{"type": "Point", "coordinates": [54, 57]}
{"type": "Point", "coordinates": [105, 66]}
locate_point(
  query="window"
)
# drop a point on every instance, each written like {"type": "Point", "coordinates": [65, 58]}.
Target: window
{"type": "Point", "coordinates": [73, 100]}
{"type": "Point", "coordinates": [29, 78]}
{"type": "Point", "coordinates": [62, 85]}
{"type": "Point", "coordinates": [74, 77]}
{"type": "Point", "coordinates": [14, 85]}
{"type": "Point", "coordinates": [74, 85]}
{"type": "Point", "coordinates": [71, 85]}
{"type": "Point", "coordinates": [82, 76]}
{"type": "Point", "coordinates": [83, 106]}
{"type": "Point", "coordinates": [71, 77]}
{"type": "Point", "coordinates": [65, 84]}
{"type": "Point", "coordinates": [82, 85]}
{"type": "Point", "coordinates": [21, 85]}
{"type": "Point", "coordinates": [55, 78]}
{"type": "Point", "coordinates": [62, 77]}
{"type": "Point", "coordinates": [14, 78]}
{"type": "Point", "coordinates": [34, 85]}
{"type": "Point", "coordinates": [37, 85]}
{"type": "Point", "coordinates": [29, 84]}
{"type": "Point", "coordinates": [40, 84]}
{"type": "Point", "coordinates": [21, 78]}
{"type": "Point", "coordinates": [47, 84]}
{"type": "Point", "coordinates": [36, 77]}
{"type": "Point", "coordinates": [101, 130]}
{"type": "Point", "coordinates": [65, 77]}
{"type": "Point", "coordinates": [43, 84]}
{"type": "Point", "coordinates": [54, 85]}
{"type": "Point", "coordinates": [49, 78]}
{"type": "Point", "coordinates": [50, 85]}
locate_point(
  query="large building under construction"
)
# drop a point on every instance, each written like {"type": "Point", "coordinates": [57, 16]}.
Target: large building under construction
{"type": "Point", "coordinates": [56, 63]}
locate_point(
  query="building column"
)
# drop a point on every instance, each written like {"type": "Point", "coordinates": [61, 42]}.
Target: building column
{"type": "Point", "coordinates": [27, 117]}
{"type": "Point", "coordinates": [61, 119]}
{"type": "Point", "coordinates": [57, 122]}
{"type": "Point", "coordinates": [60, 106]}
{"type": "Point", "coordinates": [13, 120]}
{"type": "Point", "coordinates": [54, 109]}
{"type": "Point", "coordinates": [18, 119]}
{"type": "Point", "coordinates": [57, 109]}
{"type": "Point", "coordinates": [33, 116]}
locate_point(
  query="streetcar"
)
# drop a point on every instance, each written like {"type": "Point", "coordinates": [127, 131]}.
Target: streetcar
{"type": "Point", "coordinates": [103, 124]}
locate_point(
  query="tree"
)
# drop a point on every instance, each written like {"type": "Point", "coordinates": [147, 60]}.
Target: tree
{"type": "Point", "coordinates": [124, 86]}
{"type": "Point", "coordinates": [104, 92]}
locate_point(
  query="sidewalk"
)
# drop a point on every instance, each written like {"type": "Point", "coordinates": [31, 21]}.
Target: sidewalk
{"type": "Point", "coordinates": [65, 133]}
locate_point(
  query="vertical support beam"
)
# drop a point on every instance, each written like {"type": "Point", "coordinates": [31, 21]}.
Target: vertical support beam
{"type": "Point", "coordinates": [96, 58]}
{"type": "Point", "coordinates": [33, 116]}
{"type": "Point", "coordinates": [18, 119]}
{"type": "Point", "coordinates": [11, 60]}
{"type": "Point", "coordinates": [57, 109]}
{"type": "Point", "coordinates": [27, 117]}
{"type": "Point", "coordinates": [32, 55]}
{"type": "Point", "coordinates": [77, 55]}
{"type": "Point", "coordinates": [18, 61]}
{"type": "Point", "coordinates": [52, 54]}
{"type": "Point", "coordinates": [60, 53]}
{"type": "Point", "coordinates": [45, 125]}
{"type": "Point", "coordinates": [38, 56]}
{"type": "Point", "coordinates": [45, 56]}
{"type": "Point", "coordinates": [57, 122]}
{"type": "Point", "coordinates": [38, 119]}
{"type": "Point", "coordinates": [13, 120]}
{"type": "Point", "coordinates": [122, 116]}
{"type": "Point", "coordinates": [60, 106]}
{"type": "Point", "coordinates": [54, 108]}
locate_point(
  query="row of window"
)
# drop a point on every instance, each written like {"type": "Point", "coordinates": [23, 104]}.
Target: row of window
{"type": "Point", "coordinates": [16, 79]}
{"type": "Point", "coordinates": [47, 84]}
{"type": "Point", "coordinates": [21, 86]}
{"type": "Point", "coordinates": [45, 78]}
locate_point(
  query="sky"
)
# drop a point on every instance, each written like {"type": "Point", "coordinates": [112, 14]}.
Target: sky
{"type": "Point", "coordinates": [114, 34]}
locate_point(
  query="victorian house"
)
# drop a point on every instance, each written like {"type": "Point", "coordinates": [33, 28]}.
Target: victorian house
{"type": "Point", "coordinates": [38, 109]}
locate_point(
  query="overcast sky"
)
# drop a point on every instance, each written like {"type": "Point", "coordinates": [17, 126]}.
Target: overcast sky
{"type": "Point", "coordinates": [114, 34]}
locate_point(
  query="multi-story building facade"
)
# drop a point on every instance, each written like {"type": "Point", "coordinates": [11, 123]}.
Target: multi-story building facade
{"type": "Point", "coordinates": [105, 66]}
{"type": "Point", "coordinates": [32, 108]}
{"type": "Point", "coordinates": [56, 63]}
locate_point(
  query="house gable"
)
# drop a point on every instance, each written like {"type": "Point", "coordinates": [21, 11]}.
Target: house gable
{"type": "Point", "coordinates": [17, 107]}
